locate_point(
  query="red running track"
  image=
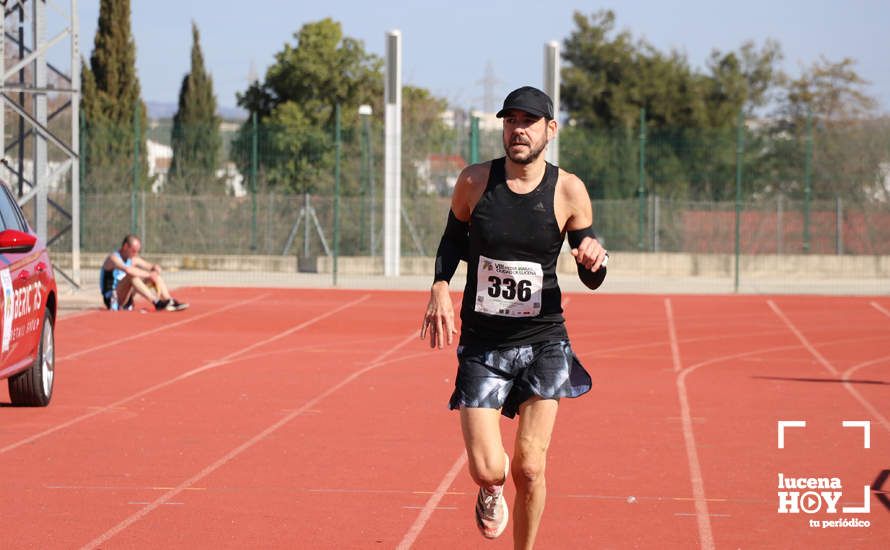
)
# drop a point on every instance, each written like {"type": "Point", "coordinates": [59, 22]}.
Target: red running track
{"type": "Point", "coordinates": [317, 419]}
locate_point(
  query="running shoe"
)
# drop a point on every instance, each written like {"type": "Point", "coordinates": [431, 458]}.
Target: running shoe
{"type": "Point", "coordinates": [491, 508]}
{"type": "Point", "coordinates": [161, 305]}
{"type": "Point", "coordinates": [176, 305]}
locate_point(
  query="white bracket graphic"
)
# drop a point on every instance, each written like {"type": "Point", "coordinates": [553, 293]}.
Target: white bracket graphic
{"type": "Point", "coordinates": [866, 430]}
{"type": "Point", "coordinates": [788, 424]}
{"type": "Point", "coordinates": [866, 503]}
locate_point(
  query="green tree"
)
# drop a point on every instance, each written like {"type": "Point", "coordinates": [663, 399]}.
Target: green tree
{"type": "Point", "coordinates": [295, 107]}
{"type": "Point", "coordinates": [690, 115]}
{"type": "Point", "coordinates": [423, 133]}
{"type": "Point", "coordinates": [196, 137]}
{"type": "Point", "coordinates": [112, 106]}
{"type": "Point", "coordinates": [849, 139]}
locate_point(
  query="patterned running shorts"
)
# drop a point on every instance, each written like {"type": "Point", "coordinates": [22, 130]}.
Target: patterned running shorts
{"type": "Point", "coordinates": [505, 379]}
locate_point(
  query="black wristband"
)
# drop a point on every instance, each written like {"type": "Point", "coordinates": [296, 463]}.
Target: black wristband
{"type": "Point", "coordinates": [577, 235]}
{"type": "Point", "coordinates": [453, 247]}
{"type": "Point", "coordinates": [591, 279]}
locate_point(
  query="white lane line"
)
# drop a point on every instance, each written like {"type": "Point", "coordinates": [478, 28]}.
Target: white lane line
{"type": "Point", "coordinates": [862, 400]}
{"type": "Point", "coordinates": [878, 307]}
{"type": "Point", "coordinates": [866, 404]}
{"type": "Point", "coordinates": [672, 332]}
{"type": "Point", "coordinates": [705, 535]}
{"type": "Point", "coordinates": [432, 503]}
{"type": "Point", "coordinates": [803, 339]}
{"type": "Point", "coordinates": [228, 457]}
{"type": "Point", "coordinates": [214, 364]}
{"type": "Point", "coordinates": [160, 329]}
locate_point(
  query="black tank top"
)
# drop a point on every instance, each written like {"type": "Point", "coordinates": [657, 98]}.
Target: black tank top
{"type": "Point", "coordinates": [512, 296]}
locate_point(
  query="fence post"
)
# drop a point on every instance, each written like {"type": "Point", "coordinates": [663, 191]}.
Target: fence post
{"type": "Point", "coordinates": [641, 190]}
{"type": "Point", "coordinates": [656, 205]}
{"type": "Point", "coordinates": [307, 209]}
{"type": "Point", "coordinates": [474, 138]}
{"type": "Point", "coordinates": [336, 189]}
{"type": "Point", "coordinates": [372, 221]}
{"type": "Point", "coordinates": [364, 112]}
{"type": "Point", "coordinates": [839, 226]}
{"type": "Point", "coordinates": [135, 183]}
{"type": "Point", "coordinates": [253, 171]}
{"type": "Point", "coordinates": [779, 226]}
{"type": "Point", "coordinates": [739, 152]}
{"type": "Point", "coordinates": [807, 182]}
{"type": "Point", "coordinates": [82, 167]}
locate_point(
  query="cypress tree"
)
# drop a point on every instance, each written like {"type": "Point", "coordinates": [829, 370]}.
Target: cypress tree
{"type": "Point", "coordinates": [196, 137]}
{"type": "Point", "coordinates": [111, 97]}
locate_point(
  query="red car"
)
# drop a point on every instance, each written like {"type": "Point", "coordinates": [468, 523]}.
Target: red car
{"type": "Point", "coordinates": [28, 312]}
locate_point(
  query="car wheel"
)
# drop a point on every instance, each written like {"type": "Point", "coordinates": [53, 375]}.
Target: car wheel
{"type": "Point", "coordinates": [34, 387]}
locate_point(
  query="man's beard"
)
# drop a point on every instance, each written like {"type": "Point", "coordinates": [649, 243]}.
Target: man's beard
{"type": "Point", "coordinates": [533, 153]}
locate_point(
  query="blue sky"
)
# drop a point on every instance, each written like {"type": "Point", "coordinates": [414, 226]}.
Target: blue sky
{"type": "Point", "coordinates": [447, 45]}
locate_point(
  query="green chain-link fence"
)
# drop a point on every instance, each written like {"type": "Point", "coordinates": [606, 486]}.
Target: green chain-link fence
{"type": "Point", "coordinates": [804, 189]}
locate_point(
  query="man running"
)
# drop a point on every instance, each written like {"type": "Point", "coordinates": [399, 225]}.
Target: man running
{"type": "Point", "coordinates": [508, 220]}
{"type": "Point", "coordinates": [125, 274]}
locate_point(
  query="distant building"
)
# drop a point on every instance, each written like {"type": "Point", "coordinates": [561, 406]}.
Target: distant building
{"type": "Point", "coordinates": [438, 173]}
{"type": "Point", "coordinates": [160, 157]}
{"type": "Point", "coordinates": [458, 119]}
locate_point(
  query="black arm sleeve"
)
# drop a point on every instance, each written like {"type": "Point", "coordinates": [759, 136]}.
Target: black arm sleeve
{"type": "Point", "coordinates": [453, 248]}
{"type": "Point", "coordinates": [591, 279]}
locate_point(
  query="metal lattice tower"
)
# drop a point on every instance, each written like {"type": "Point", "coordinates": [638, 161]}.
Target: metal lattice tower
{"type": "Point", "coordinates": [41, 149]}
{"type": "Point", "coordinates": [488, 82]}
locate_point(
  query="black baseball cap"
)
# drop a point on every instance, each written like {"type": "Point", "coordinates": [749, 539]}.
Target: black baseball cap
{"type": "Point", "coordinates": [531, 100]}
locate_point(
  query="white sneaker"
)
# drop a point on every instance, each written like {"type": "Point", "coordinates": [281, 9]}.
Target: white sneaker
{"type": "Point", "coordinates": [491, 508]}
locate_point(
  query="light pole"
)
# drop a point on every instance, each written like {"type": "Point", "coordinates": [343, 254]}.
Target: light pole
{"type": "Point", "coordinates": [367, 180]}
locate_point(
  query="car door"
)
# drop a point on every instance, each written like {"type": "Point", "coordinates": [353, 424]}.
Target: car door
{"type": "Point", "coordinates": [21, 293]}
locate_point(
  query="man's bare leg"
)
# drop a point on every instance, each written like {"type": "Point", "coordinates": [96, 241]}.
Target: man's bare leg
{"type": "Point", "coordinates": [161, 286]}
{"type": "Point", "coordinates": [536, 419]}
{"type": "Point", "coordinates": [485, 449]}
{"type": "Point", "coordinates": [134, 284]}
{"type": "Point", "coordinates": [124, 292]}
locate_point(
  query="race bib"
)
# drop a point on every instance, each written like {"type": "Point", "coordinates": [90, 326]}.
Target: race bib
{"type": "Point", "coordinates": [509, 289]}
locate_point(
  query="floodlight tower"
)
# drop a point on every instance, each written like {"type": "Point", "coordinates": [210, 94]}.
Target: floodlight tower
{"type": "Point", "coordinates": [392, 190]}
{"type": "Point", "coordinates": [31, 116]}
{"type": "Point", "coordinates": [551, 88]}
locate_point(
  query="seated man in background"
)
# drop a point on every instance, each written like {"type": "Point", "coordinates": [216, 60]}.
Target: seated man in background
{"type": "Point", "coordinates": [124, 274]}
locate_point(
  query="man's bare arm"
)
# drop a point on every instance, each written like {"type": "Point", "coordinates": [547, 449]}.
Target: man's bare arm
{"type": "Point", "coordinates": [439, 317]}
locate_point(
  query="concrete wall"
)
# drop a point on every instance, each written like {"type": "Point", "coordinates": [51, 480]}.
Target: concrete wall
{"type": "Point", "coordinates": [620, 263]}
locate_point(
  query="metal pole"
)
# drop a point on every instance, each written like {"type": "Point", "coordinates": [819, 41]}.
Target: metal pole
{"type": "Point", "coordinates": [76, 145]}
{"type": "Point", "coordinates": [336, 188]}
{"type": "Point", "coordinates": [307, 213]}
{"type": "Point", "coordinates": [551, 87]}
{"type": "Point", "coordinates": [21, 155]}
{"type": "Point", "coordinates": [392, 200]}
{"type": "Point", "coordinates": [373, 188]}
{"type": "Point", "coordinates": [82, 171]}
{"type": "Point", "coordinates": [807, 180]}
{"type": "Point", "coordinates": [655, 214]}
{"type": "Point", "coordinates": [364, 112]}
{"type": "Point", "coordinates": [641, 190]}
{"type": "Point", "coordinates": [739, 151]}
{"type": "Point", "coordinates": [474, 138]}
{"type": "Point", "coordinates": [135, 183]}
{"type": "Point", "coordinates": [253, 173]}
{"type": "Point", "coordinates": [779, 228]}
{"type": "Point", "coordinates": [40, 116]}
{"type": "Point", "coordinates": [839, 226]}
